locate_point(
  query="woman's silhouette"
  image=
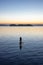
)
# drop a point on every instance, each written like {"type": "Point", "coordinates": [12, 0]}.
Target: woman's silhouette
{"type": "Point", "coordinates": [20, 43]}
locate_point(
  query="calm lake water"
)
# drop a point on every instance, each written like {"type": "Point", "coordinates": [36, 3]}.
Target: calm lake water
{"type": "Point", "coordinates": [27, 51]}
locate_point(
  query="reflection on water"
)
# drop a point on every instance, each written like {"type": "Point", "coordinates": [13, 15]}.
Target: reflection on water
{"type": "Point", "coordinates": [11, 42]}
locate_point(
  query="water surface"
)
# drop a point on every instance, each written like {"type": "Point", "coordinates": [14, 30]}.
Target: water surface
{"type": "Point", "coordinates": [27, 52]}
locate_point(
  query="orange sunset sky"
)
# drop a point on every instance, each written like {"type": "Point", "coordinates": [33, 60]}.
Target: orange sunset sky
{"type": "Point", "coordinates": [20, 22]}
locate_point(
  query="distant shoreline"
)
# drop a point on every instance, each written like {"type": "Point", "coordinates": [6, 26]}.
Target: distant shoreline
{"type": "Point", "coordinates": [10, 25]}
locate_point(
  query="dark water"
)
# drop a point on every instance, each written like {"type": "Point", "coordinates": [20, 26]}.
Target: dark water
{"type": "Point", "coordinates": [28, 51]}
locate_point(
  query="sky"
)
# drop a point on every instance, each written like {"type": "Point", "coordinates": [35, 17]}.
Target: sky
{"type": "Point", "coordinates": [21, 11]}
